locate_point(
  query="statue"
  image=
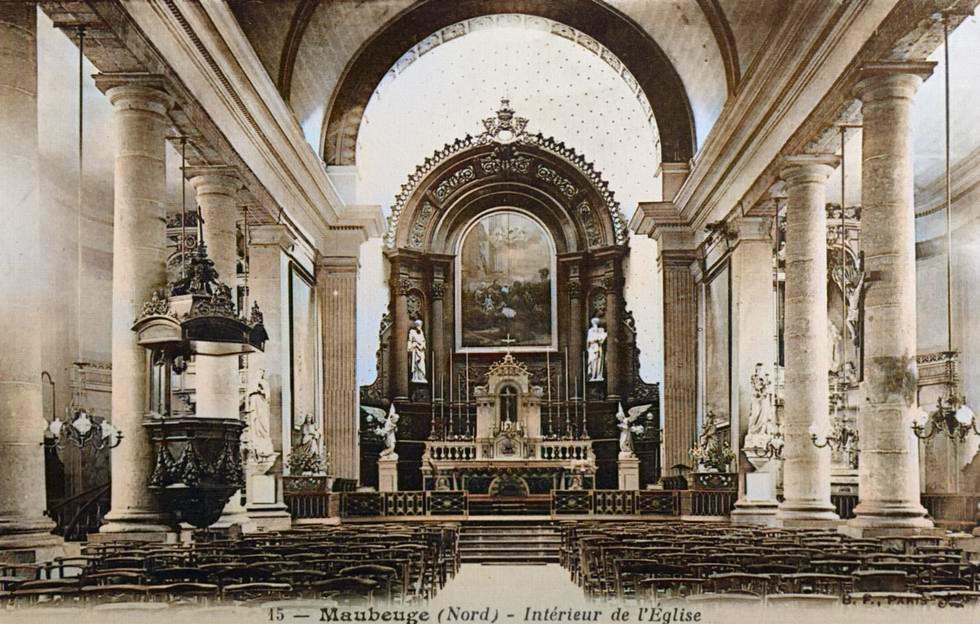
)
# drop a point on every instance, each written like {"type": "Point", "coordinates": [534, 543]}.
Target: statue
{"type": "Point", "coordinates": [596, 342]}
{"type": "Point", "coordinates": [836, 341]}
{"type": "Point", "coordinates": [761, 419]}
{"type": "Point", "coordinates": [310, 437]}
{"type": "Point", "coordinates": [416, 352]}
{"type": "Point", "coordinates": [854, 295]}
{"type": "Point", "coordinates": [626, 431]}
{"type": "Point", "coordinates": [258, 438]}
{"type": "Point", "coordinates": [387, 432]}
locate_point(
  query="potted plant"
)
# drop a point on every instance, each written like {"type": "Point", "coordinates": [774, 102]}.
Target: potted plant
{"type": "Point", "coordinates": [307, 473]}
{"type": "Point", "coordinates": [713, 457]}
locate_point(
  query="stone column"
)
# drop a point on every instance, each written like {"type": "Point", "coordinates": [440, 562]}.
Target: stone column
{"type": "Point", "coordinates": [753, 342]}
{"type": "Point", "coordinates": [337, 287]}
{"type": "Point", "coordinates": [267, 287]}
{"type": "Point", "coordinates": [806, 468]}
{"type": "Point", "coordinates": [399, 336]}
{"type": "Point", "coordinates": [437, 329]}
{"type": "Point", "coordinates": [216, 380]}
{"type": "Point", "coordinates": [578, 325]}
{"type": "Point", "coordinates": [680, 355]}
{"type": "Point", "coordinates": [22, 423]}
{"type": "Point", "coordinates": [889, 473]}
{"type": "Point", "coordinates": [615, 371]}
{"type": "Point", "coordinates": [138, 254]}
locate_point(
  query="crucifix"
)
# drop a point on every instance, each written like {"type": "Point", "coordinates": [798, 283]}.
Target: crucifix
{"type": "Point", "coordinates": [508, 340]}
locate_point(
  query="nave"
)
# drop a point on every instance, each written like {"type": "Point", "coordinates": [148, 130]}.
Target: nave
{"type": "Point", "coordinates": [417, 567]}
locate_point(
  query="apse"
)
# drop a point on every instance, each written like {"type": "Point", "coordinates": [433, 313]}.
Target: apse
{"type": "Point", "coordinates": [569, 87]}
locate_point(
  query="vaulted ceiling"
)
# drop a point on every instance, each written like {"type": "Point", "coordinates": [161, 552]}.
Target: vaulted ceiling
{"type": "Point", "coordinates": [327, 56]}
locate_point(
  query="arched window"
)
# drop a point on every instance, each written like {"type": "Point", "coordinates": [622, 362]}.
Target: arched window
{"type": "Point", "coordinates": [505, 289]}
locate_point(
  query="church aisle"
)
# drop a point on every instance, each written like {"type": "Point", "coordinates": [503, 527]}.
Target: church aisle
{"type": "Point", "coordinates": [510, 588]}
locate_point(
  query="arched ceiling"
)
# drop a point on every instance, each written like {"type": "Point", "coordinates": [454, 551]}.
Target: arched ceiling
{"type": "Point", "coordinates": [688, 55]}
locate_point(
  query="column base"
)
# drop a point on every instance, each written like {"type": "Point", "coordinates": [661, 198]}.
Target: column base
{"type": "Point", "coordinates": [263, 518]}
{"type": "Point", "coordinates": [755, 512]}
{"type": "Point", "coordinates": [136, 522]}
{"type": "Point", "coordinates": [806, 514]}
{"type": "Point", "coordinates": [388, 474]}
{"type": "Point", "coordinates": [28, 540]}
{"type": "Point", "coordinates": [629, 473]}
{"type": "Point", "coordinates": [901, 516]}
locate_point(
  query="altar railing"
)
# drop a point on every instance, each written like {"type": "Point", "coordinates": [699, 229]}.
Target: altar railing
{"type": "Point", "coordinates": [452, 451]}
{"type": "Point", "coordinates": [565, 449]}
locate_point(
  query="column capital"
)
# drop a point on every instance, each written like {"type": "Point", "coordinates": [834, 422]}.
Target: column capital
{"type": "Point", "coordinates": [808, 168]}
{"type": "Point", "coordinates": [136, 91]}
{"type": "Point", "coordinates": [338, 264]}
{"type": "Point", "coordinates": [214, 179]}
{"type": "Point", "coordinates": [753, 228]}
{"type": "Point", "coordinates": [270, 236]}
{"type": "Point", "coordinates": [891, 79]}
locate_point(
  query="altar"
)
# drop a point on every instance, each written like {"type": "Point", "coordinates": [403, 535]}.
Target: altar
{"type": "Point", "coordinates": [510, 452]}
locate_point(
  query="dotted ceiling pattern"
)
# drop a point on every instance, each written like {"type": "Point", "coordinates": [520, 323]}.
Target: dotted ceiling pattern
{"type": "Point", "coordinates": [565, 89]}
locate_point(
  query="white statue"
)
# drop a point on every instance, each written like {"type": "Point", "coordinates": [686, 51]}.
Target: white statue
{"type": "Point", "coordinates": [626, 431]}
{"type": "Point", "coordinates": [761, 419]}
{"type": "Point", "coordinates": [416, 352]}
{"type": "Point", "coordinates": [835, 341]}
{"type": "Point", "coordinates": [258, 438]}
{"type": "Point", "coordinates": [310, 436]}
{"type": "Point", "coordinates": [596, 342]}
{"type": "Point", "coordinates": [387, 431]}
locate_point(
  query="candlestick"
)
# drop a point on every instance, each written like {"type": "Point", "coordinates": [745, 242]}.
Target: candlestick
{"type": "Point", "coordinates": [585, 399]}
{"type": "Point", "coordinates": [466, 411]}
{"type": "Point", "coordinates": [442, 404]}
{"type": "Point", "coordinates": [547, 373]}
{"type": "Point", "coordinates": [568, 398]}
{"type": "Point", "coordinates": [452, 420]}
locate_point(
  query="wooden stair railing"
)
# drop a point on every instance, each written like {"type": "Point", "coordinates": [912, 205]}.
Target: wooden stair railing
{"type": "Point", "coordinates": [79, 515]}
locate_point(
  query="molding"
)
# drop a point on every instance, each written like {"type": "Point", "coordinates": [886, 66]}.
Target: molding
{"type": "Point", "coordinates": [290, 47]}
{"type": "Point", "coordinates": [204, 47]}
{"type": "Point", "coordinates": [725, 39]}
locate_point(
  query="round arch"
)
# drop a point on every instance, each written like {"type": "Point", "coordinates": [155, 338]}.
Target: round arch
{"type": "Point", "coordinates": [638, 52]}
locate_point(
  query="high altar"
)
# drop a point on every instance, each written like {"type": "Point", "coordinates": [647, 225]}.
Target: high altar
{"type": "Point", "coordinates": [507, 350]}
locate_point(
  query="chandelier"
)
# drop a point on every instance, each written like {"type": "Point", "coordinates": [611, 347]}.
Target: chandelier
{"type": "Point", "coordinates": [951, 415]}
{"type": "Point", "coordinates": [80, 428]}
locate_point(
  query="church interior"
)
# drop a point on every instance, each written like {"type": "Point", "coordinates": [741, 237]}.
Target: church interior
{"type": "Point", "coordinates": [384, 301]}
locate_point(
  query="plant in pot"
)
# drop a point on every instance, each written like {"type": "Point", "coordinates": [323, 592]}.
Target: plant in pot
{"type": "Point", "coordinates": [713, 456]}
{"type": "Point", "coordinates": [307, 472]}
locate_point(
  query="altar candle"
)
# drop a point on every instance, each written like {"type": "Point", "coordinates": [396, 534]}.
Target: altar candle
{"type": "Point", "coordinates": [442, 403]}
{"type": "Point", "coordinates": [466, 410]}
{"type": "Point", "coordinates": [585, 398]}
{"type": "Point", "coordinates": [547, 373]}
{"type": "Point", "coordinates": [567, 396]}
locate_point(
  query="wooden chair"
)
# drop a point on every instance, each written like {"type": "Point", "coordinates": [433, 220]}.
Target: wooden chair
{"type": "Point", "coordinates": [255, 593]}
{"type": "Point", "coordinates": [895, 581]}
{"type": "Point", "coordinates": [629, 572]}
{"type": "Point", "coordinates": [99, 594]}
{"type": "Point", "coordinates": [184, 593]}
{"type": "Point", "coordinates": [163, 576]}
{"type": "Point", "coordinates": [741, 583]}
{"type": "Point", "coordinates": [114, 577]}
{"type": "Point", "coordinates": [343, 589]}
{"type": "Point", "coordinates": [51, 592]}
{"type": "Point", "coordinates": [658, 587]}
{"type": "Point", "coordinates": [815, 583]}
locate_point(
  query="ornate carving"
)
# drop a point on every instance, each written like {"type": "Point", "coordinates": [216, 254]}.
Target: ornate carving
{"type": "Point", "coordinates": [592, 232]}
{"type": "Point", "coordinates": [547, 144]}
{"type": "Point", "coordinates": [574, 289]}
{"type": "Point", "coordinates": [404, 285]}
{"type": "Point", "coordinates": [417, 236]}
{"type": "Point", "coordinates": [495, 164]}
{"type": "Point", "coordinates": [438, 289]}
{"type": "Point", "coordinates": [552, 177]}
{"type": "Point", "coordinates": [454, 181]}
{"type": "Point", "coordinates": [508, 367]}
{"type": "Point", "coordinates": [505, 127]}
{"type": "Point", "coordinates": [158, 305]}
{"type": "Point", "coordinates": [414, 305]}
{"type": "Point", "coordinates": [598, 306]}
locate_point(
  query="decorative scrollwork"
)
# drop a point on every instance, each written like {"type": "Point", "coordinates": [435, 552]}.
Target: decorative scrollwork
{"type": "Point", "coordinates": [552, 177]}
{"type": "Point", "coordinates": [598, 306]}
{"type": "Point", "coordinates": [158, 305]}
{"type": "Point", "coordinates": [414, 305]}
{"type": "Point", "coordinates": [488, 137]}
{"type": "Point", "coordinates": [438, 289]}
{"type": "Point", "coordinates": [592, 232]}
{"type": "Point", "coordinates": [574, 289]}
{"type": "Point", "coordinates": [454, 181]}
{"type": "Point", "coordinates": [417, 236]}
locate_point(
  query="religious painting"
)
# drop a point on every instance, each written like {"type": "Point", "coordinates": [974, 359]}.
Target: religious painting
{"type": "Point", "coordinates": [505, 288]}
{"type": "Point", "coordinates": [717, 355]}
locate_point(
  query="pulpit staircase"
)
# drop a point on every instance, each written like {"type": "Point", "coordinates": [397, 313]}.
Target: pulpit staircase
{"type": "Point", "coordinates": [505, 541]}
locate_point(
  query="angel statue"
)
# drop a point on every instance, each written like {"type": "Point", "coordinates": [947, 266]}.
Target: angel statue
{"type": "Point", "coordinates": [387, 432]}
{"type": "Point", "coordinates": [626, 431]}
